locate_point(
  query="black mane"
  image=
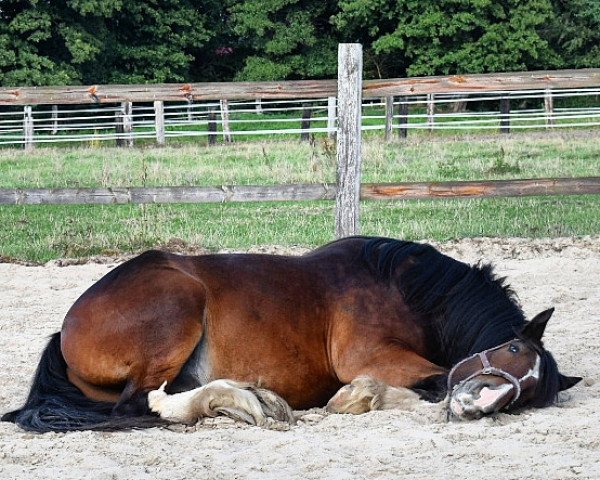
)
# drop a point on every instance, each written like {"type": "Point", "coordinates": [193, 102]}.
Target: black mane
{"type": "Point", "coordinates": [468, 307]}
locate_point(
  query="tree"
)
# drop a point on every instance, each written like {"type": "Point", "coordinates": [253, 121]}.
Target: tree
{"type": "Point", "coordinates": [154, 41]}
{"type": "Point", "coordinates": [28, 53]}
{"type": "Point", "coordinates": [452, 36]}
{"type": "Point", "coordinates": [575, 32]}
{"type": "Point", "coordinates": [101, 41]}
{"type": "Point", "coordinates": [285, 39]}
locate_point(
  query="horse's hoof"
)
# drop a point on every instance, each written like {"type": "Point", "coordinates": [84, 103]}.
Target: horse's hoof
{"type": "Point", "coordinates": [156, 397]}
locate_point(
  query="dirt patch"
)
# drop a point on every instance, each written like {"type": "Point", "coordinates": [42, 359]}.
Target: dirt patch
{"type": "Point", "coordinates": [553, 443]}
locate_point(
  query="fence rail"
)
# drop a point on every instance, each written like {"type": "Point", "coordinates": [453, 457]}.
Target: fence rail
{"type": "Point", "coordinates": [305, 89]}
{"type": "Point", "coordinates": [296, 192]}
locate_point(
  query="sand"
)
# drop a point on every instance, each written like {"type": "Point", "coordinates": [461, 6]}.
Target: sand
{"type": "Point", "coordinates": [559, 442]}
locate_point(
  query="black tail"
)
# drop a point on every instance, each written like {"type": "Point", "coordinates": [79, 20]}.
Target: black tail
{"type": "Point", "coordinates": [55, 404]}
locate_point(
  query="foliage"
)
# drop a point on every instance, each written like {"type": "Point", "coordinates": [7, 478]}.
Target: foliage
{"type": "Point", "coordinates": [100, 41]}
{"type": "Point", "coordinates": [575, 31]}
{"type": "Point", "coordinates": [285, 38]}
{"type": "Point", "coordinates": [453, 36]}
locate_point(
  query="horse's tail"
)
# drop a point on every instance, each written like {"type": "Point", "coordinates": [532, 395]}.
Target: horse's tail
{"type": "Point", "coordinates": [55, 404]}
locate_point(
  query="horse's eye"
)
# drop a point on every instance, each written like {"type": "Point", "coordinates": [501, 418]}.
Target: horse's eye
{"type": "Point", "coordinates": [512, 348]}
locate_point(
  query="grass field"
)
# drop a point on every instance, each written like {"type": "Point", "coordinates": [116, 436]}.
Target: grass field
{"type": "Point", "coordinates": [40, 233]}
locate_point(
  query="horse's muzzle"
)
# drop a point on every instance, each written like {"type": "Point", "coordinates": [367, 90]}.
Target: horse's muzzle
{"type": "Point", "coordinates": [473, 399]}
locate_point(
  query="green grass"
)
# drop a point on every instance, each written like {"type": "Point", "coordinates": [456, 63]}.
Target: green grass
{"type": "Point", "coordinates": [41, 233]}
{"type": "Point", "coordinates": [271, 162]}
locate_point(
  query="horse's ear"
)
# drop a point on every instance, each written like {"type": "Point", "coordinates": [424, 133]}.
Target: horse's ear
{"type": "Point", "coordinates": [568, 382]}
{"type": "Point", "coordinates": [534, 330]}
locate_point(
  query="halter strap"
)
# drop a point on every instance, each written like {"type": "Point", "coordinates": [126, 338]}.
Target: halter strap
{"type": "Point", "coordinates": [487, 369]}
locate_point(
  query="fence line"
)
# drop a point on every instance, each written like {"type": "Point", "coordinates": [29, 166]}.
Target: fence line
{"type": "Point", "coordinates": [306, 89]}
{"type": "Point", "coordinates": [297, 192]}
{"type": "Point", "coordinates": [159, 121]}
{"type": "Point", "coordinates": [51, 125]}
{"type": "Point", "coordinates": [405, 104]}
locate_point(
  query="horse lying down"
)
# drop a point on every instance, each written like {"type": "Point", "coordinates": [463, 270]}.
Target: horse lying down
{"type": "Point", "coordinates": [359, 324]}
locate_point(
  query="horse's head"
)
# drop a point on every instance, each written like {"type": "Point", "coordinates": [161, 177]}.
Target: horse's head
{"type": "Point", "coordinates": [516, 374]}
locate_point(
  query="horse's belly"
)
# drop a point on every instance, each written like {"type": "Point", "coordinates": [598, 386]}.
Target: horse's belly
{"type": "Point", "coordinates": [300, 378]}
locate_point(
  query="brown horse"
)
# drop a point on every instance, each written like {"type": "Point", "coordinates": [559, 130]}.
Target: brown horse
{"type": "Point", "coordinates": [242, 334]}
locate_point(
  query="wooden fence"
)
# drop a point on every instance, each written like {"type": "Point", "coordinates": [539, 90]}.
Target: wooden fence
{"type": "Point", "coordinates": [349, 90]}
{"type": "Point", "coordinates": [297, 192]}
{"type": "Point", "coordinates": [304, 89]}
{"type": "Point", "coordinates": [114, 105]}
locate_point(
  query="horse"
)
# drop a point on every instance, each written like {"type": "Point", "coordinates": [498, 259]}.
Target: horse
{"type": "Point", "coordinates": [351, 325]}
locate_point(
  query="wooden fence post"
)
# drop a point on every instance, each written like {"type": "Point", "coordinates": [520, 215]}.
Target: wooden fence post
{"type": "Point", "coordinates": [212, 127]}
{"type": "Point", "coordinates": [224, 104]}
{"type": "Point", "coordinates": [430, 111]}
{"type": "Point", "coordinates": [258, 106]}
{"type": "Point", "coordinates": [54, 130]}
{"type": "Point", "coordinates": [389, 117]}
{"type": "Point", "coordinates": [125, 125]}
{"type": "Point", "coordinates": [350, 67]}
{"type": "Point", "coordinates": [159, 122]}
{"type": "Point", "coordinates": [28, 128]}
{"type": "Point", "coordinates": [190, 110]}
{"type": "Point", "coordinates": [305, 124]}
{"type": "Point", "coordinates": [549, 108]}
{"type": "Point", "coordinates": [403, 118]}
{"type": "Point", "coordinates": [331, 116]}
{"type": "Point", "coordinates": [504, 115]}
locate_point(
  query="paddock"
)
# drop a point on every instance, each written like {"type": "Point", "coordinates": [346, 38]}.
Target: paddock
{"type": "Point", "coordinates": [555, 443]}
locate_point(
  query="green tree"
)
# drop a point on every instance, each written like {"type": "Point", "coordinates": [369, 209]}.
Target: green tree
{"type": "Point", "coordinates": [575, 32]}
{"type": "Point", "coordinates": [451, 36]}
{"type": "Point", "coordinates": [285, 39]}
{"type": "Point", "coordinates": [155, 41]}
{"type": "Point", "coordinates": [28, 50]}
{"type": "Point", "coordinates": [101, 41]}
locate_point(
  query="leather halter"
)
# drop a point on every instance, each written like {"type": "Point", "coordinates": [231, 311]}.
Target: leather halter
{"type": "Point", "coordinates": [488, 369]}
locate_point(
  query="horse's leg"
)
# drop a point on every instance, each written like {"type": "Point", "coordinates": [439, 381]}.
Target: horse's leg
{"type": "Point", "coordinates": [365, 394]}
{"type": "Point", "coordinates": [240, 401]}
{"type": "Point", "coordinates": [384, 381]}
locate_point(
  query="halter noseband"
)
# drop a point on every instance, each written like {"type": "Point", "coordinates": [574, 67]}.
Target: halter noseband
{"type": "Point", "coordinates": [487, 369]}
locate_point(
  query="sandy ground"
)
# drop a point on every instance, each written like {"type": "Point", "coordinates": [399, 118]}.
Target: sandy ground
{"type": "Point", "coordinates": [554, 443]}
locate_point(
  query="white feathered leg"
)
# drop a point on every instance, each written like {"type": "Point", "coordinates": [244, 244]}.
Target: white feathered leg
{"type": "Point", "coordinates": [366, 393]}
{"type": "Point", "coordinates": [240, 401]}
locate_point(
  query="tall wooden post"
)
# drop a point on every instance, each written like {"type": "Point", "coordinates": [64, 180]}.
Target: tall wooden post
{"type": "Point", "coordinates": [331, 116]}
{"type": "Point", "coordinates": [350, 67]}
{"type": "Point", "coordinates": [212, 127]}
{"type": "Point", "coordinates": [224, 105]}
{"type": "Point", "coordinates": [28, 128]}
{"type": "Point", "coordinates": [403, 118]}
{"type": "Point", "coordinates": [190, 110]}
{"type": "Point", "coordinates": [504, 115]}
{"type": "Point", "coordinates": [305, 123]}
{"type": "Point", "coordinates": [159, 122]}
{"type": "Point", "coordinates": [389, 117]}
{"type": "Point", "coordinates": [430, 111]}
{"type": "Point", "coordinates": [54, 130]}
{"type": "Point", "coordinates": [549, 108]}
{"type": "Point", "coordinates": [125, 125]}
